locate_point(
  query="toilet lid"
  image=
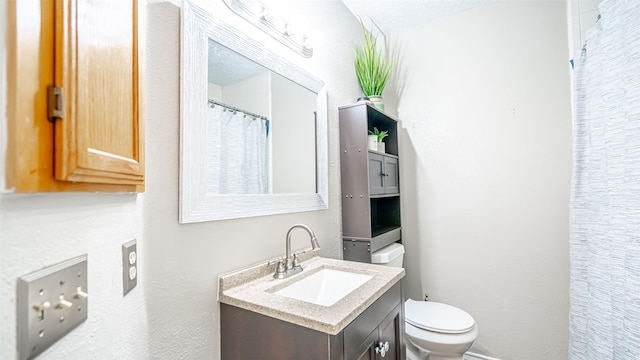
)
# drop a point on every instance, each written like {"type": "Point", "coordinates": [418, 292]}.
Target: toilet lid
{"type": "Point", "coordinates": [437, 317]}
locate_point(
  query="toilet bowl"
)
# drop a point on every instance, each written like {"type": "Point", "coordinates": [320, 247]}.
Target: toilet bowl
{"type": "Point", "coordinates": [437, 331]}
{"type": "Point", "coordinates": [433, 331]}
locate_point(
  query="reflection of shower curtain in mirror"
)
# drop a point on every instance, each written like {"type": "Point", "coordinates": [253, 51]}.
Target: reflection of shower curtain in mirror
{"type": "Point", "coordinates": [237, 153]}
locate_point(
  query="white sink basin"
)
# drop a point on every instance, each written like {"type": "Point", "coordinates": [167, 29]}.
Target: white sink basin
{"type": "Point", "coordinates": [324, 287]}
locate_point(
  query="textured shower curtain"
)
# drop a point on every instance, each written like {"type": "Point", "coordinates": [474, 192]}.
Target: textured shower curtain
{"type": "Point", "coordinates": [605, 199]}
{"type": "Point", "coordinates": [237, 153]}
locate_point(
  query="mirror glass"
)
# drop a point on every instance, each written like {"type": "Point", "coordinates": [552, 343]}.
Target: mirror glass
{"type": "Point", "coordinates": [260, 128]}
{"type": "Point", "coordinates": [253, 126]}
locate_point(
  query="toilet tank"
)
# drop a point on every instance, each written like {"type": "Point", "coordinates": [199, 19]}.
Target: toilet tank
{"type": "Point", "coordinates": [390, 255]}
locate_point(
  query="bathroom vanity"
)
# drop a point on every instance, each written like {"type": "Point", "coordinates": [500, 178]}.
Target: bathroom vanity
{"type": "Point", "coordinates": [258, 323]}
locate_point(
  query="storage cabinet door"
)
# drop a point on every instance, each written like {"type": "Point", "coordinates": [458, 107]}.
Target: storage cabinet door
{"type": "Point", "coordinates": [391, 175]}
{"type": "Point", "coordinates": [376, 174]}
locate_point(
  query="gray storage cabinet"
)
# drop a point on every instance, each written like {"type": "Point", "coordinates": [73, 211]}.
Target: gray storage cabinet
{"type": "Point", "coordinates": [370, 182]}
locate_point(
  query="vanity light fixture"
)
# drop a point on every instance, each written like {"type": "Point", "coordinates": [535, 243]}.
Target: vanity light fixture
{"type": "Point", "coordinates": [288, 32]}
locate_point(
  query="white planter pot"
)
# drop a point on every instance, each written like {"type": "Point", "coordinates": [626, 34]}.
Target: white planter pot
{"type": "Point", "coordinates": [381, 147]}
{"type": "Point", "coordinates": [372, 142]}
{"type": "Point", "coordinates": [376, 101]}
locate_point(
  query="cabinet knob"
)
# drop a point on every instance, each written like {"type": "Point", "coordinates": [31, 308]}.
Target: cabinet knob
{"type": "Point", "coordinates": [382, 348]}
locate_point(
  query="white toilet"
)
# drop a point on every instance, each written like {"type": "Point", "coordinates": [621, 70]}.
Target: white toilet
{"type": "Point", "coordinates": [433, 330]}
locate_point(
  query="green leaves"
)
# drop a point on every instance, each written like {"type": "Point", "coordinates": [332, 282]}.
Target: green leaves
{"type": "Point", "coordinates": [380, 134]}
{"type": "Point", "coordinates": [372, 68]}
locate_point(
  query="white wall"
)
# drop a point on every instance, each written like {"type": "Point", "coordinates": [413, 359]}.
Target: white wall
{"type": "Point", "coordinates": [173, 313]}
{"type": "Point", "coordinates": [486, 162]}
{"type": "Point", "coordinates": [214, 92]}
{"type": "Point", "coordinates": [252, 95]}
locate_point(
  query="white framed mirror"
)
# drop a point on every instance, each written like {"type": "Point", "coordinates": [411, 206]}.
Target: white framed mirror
{"type": "Point", "coordinates": [213, 55]}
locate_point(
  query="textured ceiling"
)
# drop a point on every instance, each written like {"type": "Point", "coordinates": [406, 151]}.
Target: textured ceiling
{"type": "Point", "coordinates": [228, 67]}
{"type": "Point", "coordinates": [394, 15]}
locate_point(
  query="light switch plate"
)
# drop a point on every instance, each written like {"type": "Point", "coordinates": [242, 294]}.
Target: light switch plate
{"type": "Point", "coordinates": [51, 302]}
{"type": "Point", "coordinates": [129, 266]}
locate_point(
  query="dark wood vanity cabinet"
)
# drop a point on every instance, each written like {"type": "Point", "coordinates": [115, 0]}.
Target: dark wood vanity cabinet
{"type": "Point", "coordinates": [247, 335]}
{"type": "Point", "coordinates": [369, 181]}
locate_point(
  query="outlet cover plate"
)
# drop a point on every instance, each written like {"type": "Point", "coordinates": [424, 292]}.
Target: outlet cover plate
{"type": "Point", "coordinates": [129, 266]}
{"type": "Point", "coordinates": [51, 302]}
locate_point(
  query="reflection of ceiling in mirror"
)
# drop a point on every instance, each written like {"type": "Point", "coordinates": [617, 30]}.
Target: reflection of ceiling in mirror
{"type": "Point", "coordinates": [228, 67]}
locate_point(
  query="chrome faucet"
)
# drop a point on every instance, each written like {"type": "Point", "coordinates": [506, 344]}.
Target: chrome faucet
{"type": "Point", "coordinates": [290, 264]}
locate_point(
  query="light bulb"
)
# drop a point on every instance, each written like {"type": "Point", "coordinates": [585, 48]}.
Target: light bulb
{"type": "Point", "coordinates": [268, 14]}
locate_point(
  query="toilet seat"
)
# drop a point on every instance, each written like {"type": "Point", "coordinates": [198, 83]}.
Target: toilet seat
{"type": "Point", "coordinates": [437, 317]}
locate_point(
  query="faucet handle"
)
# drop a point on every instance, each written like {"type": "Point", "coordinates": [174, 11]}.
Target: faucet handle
{"type": "Point", "coordinates": [296, 261]}
{"type": "Point", "coordinates": [280, 269]}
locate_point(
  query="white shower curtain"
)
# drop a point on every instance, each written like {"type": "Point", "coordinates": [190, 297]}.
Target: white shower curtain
{"type": "Point", "coordinates": [237, 152]}
{"type": "Point", "coordinates": [605, 196]}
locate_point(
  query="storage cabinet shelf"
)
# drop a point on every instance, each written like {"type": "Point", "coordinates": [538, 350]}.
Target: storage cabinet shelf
{"type": "Point", "coordinates": [381, 229]}
{"type": "Point", "coordinates": [381, 153]}
{"type": "Point", "coordinates": [382, 196]}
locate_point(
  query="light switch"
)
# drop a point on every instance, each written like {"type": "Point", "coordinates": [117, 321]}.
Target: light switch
{"type": "Point", "coordinates": [51, 302]}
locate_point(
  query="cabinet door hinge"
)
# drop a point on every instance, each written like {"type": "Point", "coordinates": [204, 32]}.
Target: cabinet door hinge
{"type": "Point", "coordinates": [56, 103]}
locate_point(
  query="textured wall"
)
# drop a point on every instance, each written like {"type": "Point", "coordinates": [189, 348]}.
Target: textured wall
{"type": "Point", "coordinates": [486, 163]}
{"type": "Point", "coordinates": [173, 313]}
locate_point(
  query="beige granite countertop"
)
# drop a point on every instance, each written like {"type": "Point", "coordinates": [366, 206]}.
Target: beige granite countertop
{"type": "Point", "coordinates": [253, 288]}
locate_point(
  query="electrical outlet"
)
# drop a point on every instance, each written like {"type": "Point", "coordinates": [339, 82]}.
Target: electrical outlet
{"type": "Point", "coordinates": [129, 266]}
{"type": "Point", "coordinates": [51, 302]}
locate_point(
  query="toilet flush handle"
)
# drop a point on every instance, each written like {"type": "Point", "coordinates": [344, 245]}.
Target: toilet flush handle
{"type": "Point", "coordinates": [382, 348]}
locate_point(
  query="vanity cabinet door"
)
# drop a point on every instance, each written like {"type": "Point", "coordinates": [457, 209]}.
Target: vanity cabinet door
{"type": "Point", "coordinates": [389, 332]}
{"type": "Point", "coordinates": [386, 336]}
{"type": "Point", "coordinates": [366, 351]}
{"type": "Point", "coordinates": [381, 322]}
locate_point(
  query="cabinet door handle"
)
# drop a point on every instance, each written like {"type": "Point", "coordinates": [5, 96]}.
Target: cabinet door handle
{"type": "Point", "coordinates": [382, 348]}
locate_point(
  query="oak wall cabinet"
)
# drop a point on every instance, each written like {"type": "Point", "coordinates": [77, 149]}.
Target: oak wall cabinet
{"type": "Point", "coordinates": [74, 96]}
{"type": "Point", "coordinates": [370, 183]}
